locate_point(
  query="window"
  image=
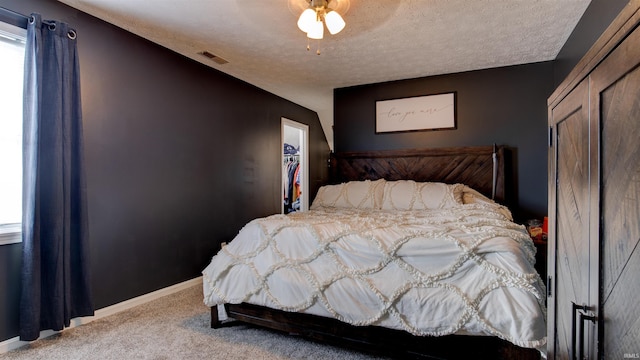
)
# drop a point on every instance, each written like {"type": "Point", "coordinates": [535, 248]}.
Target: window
{"type": "Point", "coordinates": [12, 42]}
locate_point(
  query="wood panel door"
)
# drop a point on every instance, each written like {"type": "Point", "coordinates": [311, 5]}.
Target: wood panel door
{"type": "Point", "coordinates": [595, 216]}
{"type": "Point", "coordinates": [569, 224]}
{"type": "Point", "coordinates": [615, 99]}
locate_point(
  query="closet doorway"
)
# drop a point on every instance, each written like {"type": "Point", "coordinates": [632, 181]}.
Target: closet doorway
{"type": "Point", "coordinates": [295, 166]}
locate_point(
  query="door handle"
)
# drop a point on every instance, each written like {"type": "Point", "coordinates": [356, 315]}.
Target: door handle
{"type": "Point", "coordinates": [574, 312]}
{"type": "Point", "coordinates": [584, 317]}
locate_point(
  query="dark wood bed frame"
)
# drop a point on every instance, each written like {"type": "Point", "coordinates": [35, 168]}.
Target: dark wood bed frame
{"type": "Point", "coordinates": [482, 168]}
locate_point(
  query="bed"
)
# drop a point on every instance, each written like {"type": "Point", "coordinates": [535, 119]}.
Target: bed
{"type": "Point", "coordinates": [404, 254]}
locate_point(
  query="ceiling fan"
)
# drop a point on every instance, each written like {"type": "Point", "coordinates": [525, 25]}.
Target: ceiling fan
{"type": "Point", "coordinates": [318, 14]}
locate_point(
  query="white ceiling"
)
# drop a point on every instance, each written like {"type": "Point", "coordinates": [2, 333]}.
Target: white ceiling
{"type": "Point", "coordinates": [383, 40]}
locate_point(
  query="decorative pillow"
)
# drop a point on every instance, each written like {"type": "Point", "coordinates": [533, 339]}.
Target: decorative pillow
{"type": "Point", "coordinates": [365, 194]}
{"type": "Point", "coordinates": [411, 195]}
{"type": "Point", "coordinates": [471, 196]}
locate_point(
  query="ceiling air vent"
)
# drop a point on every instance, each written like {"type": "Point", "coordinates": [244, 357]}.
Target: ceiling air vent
{"type": "Point", "coordinates": [213, 57]}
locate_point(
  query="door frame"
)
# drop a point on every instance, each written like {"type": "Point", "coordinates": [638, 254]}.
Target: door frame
{"type": "Point", "coordinates": [304, 159]}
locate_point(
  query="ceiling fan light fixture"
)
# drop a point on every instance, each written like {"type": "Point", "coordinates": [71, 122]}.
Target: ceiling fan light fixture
{"type": "Point", "coordinates": [334, 22]}
{"type": "Point", "coordinates": [318, 15]}
{"type": "Point", "coordinates": [307, 19]}
{"type": "Point", "coordinates": [316, 31]}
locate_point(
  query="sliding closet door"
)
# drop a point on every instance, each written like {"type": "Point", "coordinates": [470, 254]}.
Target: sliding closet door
{"type": "Point", "coordinates": [569, 225]}
{"type": "Point", "coordinates": [616, 98]}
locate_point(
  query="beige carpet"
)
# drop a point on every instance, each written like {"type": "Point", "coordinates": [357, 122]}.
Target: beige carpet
{"type": "Point", "coordinates": [173, 327]}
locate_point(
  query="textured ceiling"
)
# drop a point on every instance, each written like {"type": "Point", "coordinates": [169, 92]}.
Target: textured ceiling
{"type": "Point", "coordinates": [383, 40]}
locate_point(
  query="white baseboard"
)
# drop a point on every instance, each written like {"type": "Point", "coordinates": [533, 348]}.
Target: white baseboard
{"type": "Point", "coordinates": [15, 342]}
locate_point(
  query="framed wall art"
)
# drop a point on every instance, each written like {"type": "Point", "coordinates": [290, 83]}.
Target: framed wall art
{"type": "Point", "coordinates": [431, 112]}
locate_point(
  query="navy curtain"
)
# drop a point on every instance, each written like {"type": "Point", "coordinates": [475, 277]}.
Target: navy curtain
{"type": "Point", "coordinates": [55, 269]}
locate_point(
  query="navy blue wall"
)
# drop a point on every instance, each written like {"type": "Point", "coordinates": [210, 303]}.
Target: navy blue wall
{"type": "Point", "coordinates": [176, 161]}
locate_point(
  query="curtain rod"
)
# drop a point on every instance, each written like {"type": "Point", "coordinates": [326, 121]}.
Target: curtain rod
{"type": "Point", "coordinates": [13, 18]}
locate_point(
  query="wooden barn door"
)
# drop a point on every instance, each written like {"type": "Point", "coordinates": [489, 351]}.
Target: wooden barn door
{"type": "Point", "coordinates": [569, 225]}
{"type": "Point", "coordinates": [615, 100]}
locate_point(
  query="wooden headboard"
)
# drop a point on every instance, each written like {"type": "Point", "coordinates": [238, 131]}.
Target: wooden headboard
{"type": "Point", "coordinates": [472, 166]}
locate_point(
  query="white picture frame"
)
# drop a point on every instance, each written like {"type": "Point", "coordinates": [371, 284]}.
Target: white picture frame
{"type": "Point", "coordinates": [431, 112]}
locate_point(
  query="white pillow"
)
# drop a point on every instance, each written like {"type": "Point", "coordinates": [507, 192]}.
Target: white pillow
{"type": "Point", "coordinates": [411, 195]}
{"type": "Point", "coordinates": [365, 194]}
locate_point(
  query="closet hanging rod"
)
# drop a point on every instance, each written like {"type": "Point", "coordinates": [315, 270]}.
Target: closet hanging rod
{"type": "Point", "coordinates": [13, 18]}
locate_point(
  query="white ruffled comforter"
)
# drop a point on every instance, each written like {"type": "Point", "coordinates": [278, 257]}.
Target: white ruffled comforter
{"type": "Point", "coordinates": [463, 270]}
